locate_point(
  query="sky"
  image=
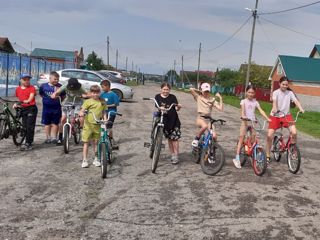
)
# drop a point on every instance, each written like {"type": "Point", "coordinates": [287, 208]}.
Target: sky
{"type": "Point", "coordinates": [155, 33]}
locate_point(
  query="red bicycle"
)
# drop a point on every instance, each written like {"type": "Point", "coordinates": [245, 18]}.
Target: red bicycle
{"type": "Point", "coordinates": [252, 148]}
{"type": "Point", "coordinates": [279, 145]}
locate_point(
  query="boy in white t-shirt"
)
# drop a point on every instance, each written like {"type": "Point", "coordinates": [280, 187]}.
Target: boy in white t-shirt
{"type": "Point", "coordinates": [248, 107]}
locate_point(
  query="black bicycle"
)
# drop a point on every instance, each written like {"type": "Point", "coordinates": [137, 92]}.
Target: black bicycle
{"type": "Point", "coordinates": [155, 144]}
{"type": "Point", "coordinates": [11, 124]}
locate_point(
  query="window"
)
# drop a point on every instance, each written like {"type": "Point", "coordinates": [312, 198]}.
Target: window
{"type": "Point", "coordinates": [279, 69]}
{"type": "Point", "coordinates": [72, 74]}
{"type": "Point", "coordinates": [91, 77]}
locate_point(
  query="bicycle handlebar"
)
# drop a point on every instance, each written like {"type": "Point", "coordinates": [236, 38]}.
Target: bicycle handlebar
{"type": "Point", "coordinates": [284, 115]}
{"type": "Point", "coordinates": [10, 101]}
{"type": "Point", "coordinates": [155, 101]}
{"type": "Point", "coordinates": [215, 120]}
{"type": "Point", "coordinates": [102, 121]}
{"type": "Point", "coordinates": [253, 123]}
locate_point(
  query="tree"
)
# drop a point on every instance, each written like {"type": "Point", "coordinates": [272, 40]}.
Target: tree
{"type": "Point", "coordinates": [259, 75]}
{"type": "Point", "coordinates": [227, 77]}
{"type": "Point", "coordinates": [94, 63]}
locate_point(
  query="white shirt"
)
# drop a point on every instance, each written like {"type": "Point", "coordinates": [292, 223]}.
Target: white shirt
{"type": "Point", "coordinates": [283, 100]}
{"type": "Point", "coordinates": [250, 107]}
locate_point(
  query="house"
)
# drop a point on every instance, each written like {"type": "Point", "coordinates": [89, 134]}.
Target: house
{"type": "Point", "coordinates": [304, 76]}
{"type": "Point", "coordinates": [59, 56]}
{"type": "Point", "coordinates": [5, 45]}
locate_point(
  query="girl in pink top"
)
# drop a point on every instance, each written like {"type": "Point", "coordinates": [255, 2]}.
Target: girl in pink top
{"type": "Point", "coordinates": [248, 107]}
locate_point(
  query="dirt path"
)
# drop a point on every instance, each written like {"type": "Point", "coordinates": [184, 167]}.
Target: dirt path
{"type": "Point", "coordinates": [45, 194]}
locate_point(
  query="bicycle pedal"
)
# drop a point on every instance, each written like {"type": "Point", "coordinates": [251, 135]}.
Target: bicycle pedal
{"type": "Point", "coordinates": [146, 144]}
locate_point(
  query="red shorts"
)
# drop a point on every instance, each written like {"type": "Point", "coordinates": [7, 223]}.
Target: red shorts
{"type": "Point", "coordinates": [275, 123]}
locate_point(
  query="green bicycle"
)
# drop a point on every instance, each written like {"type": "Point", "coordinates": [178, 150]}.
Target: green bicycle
{"type": "Point", "coordinates": [105, 148]}
{"type": "Point", "coordinates": [10, 124]}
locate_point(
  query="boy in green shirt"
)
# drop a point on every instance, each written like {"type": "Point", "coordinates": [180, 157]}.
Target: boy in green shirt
{"type": "Point", "coordinates": [91, 129]}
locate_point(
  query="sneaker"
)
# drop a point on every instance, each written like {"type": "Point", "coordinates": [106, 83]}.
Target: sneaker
{"type": "Point", "coordinates": [26, 147]}
{"type": "Point", "coordinates": [174, 159]}
{"type": "Point", "coordinates": [268, 161]}
{"type": "Point", "coordinates": [96, 162]}
{"type": "Point", "coordinates": [59, 142]}
{"type": "Point", "coordinates": [85, 164]}
{"type": "Point", "coordinates": [237, 163]}
{"type": "Point", "coordinates": [195, 143]}
{"type": "Point", "coordinates": [54, 141]}
{"type": "Point", "coordinates": [47, 141]}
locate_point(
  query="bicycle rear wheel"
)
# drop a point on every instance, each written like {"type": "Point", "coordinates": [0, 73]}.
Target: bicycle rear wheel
{"type": "Point", "coordinates": [77, 132]}
{"type": "Point", "coordinates": [293, 158]}
{"type": "Point", "coordinates": [66, 132]}
{"type": "Point", "coordinates": [157, 149]}
{"type": "Point", "coordinates": [104, 159]}
{"type": "Point", "coordinates": [276, 147]}
{"type": "Point", "coordinates": [18, 133]}
{"type": "Point", "coordinates": [212, 158]}
{"type": "Point", "coordinates": [259, 161]}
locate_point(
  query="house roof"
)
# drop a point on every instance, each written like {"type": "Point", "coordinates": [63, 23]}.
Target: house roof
{"type": "Point", "coordinates": [301, 69]}
{"type": "Point", "coordinates": [49, 53]}
{"type": "Point", "coordinates": [315, 49]}
{"type": "Point", "coordinates": [5, 45]}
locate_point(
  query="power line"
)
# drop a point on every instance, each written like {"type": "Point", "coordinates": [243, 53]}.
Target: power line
{"type": "Point", "coordinates": [229, 38]}
{"type": "Point", "coordinates": [290, 29]}
{"type": "Point", "coordinates": [267, 37]}
{"type": "Point", "coordinates": [290, 9]}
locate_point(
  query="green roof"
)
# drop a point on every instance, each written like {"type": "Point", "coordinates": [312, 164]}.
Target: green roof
{"type": "Point", "coordinates": [315, 49]}
{"type": "Point", "coordinates": [301, 69]}
{"type": "Point", "coordinates": [48, 53]}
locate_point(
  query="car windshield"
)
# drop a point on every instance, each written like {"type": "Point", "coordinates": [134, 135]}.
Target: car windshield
{"type": "Point", "coordinates": [109, 76]}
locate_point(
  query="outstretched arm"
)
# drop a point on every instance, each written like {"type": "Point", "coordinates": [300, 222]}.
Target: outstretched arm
{"type": "Point", "coordinates": [264, 114]}
{"type": "Point", "coordinates": [219, 105]}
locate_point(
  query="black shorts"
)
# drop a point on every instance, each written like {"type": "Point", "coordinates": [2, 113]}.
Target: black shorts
{"type": "Point", "coordinates": [111, 121]}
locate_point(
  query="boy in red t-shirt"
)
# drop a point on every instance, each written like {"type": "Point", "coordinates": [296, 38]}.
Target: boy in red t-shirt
{"type": "Point", "coordinates": [26, 94]}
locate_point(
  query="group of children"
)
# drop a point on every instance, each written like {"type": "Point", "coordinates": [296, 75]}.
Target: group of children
{"type": "Point", "coordinates": [54, 115]}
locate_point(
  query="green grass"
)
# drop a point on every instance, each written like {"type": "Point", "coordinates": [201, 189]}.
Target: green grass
{"type": "Point", "coordinates": [309, 122]}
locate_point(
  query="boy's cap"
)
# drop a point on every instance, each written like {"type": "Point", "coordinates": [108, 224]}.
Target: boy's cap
{"type": "Point", "coordinates": [25, 75]}
{"type": "Point", "coordinates": [73, 84]}
{"type": "Point", "coordinates": [205, 87]}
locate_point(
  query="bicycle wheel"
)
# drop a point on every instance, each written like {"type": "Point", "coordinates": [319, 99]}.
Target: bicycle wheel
{"type": "Point", "coordinates": [196, 154]}
{"type": "Point", "coordinates": [212, 158]}
{"type": "Point", "coordinates": [2, 126]}
{"type": "Point", "coordinates": [157, 149]}
{"type": "Point", "coordinates": [293, 158]}
{"type": "Point", "coordinates": [243, 156]}
{"type": "Point", "coordinates": [110, 151]}
{"type": "Point", "coordinates": [77, 132]}
{"type": "Point", "coordinates": [259, 161]}
{"type": "Point", "coordinates": [276, 147]}
{"type": "Point", "coordinates": [66, 132]}
{"type": "Point", "coordinates": [104, 159]}
{"type": "Point", "coordinates": [18, 133]}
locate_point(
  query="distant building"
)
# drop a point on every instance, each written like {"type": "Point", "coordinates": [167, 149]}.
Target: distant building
{"type": "Point", "coordinates": [5, 45]}
{"type": "Point", "coordinates": [304, 74]}
{"type": "Point", "coordinates": [59, 56]}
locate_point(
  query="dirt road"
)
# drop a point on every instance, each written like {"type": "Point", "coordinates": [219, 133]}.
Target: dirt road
{"type": "Point", "coordinates": [45, 194]}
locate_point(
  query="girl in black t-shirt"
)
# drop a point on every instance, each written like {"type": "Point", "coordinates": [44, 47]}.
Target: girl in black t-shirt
{"type": "Point", "coordinates": [171, 120]}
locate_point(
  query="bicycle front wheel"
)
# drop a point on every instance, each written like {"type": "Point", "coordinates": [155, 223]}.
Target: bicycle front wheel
{"type": "Point", "coordinates": [66, 132]}
{"type": "Point", "coordinates": [276, 148]}
{"type": "Point", "coordinates": [293, 158]}
{"type": "Point", "coordinates": [212, 159]}
{"type": "Point", "coordinates": [77, 132]}
{"type": "Point", "coordinates": [259, 161]}
{"type": "Point", "coordinates": [104, 159]}
{"type": "Point", "coordinates": [110, 151]}
{"type": "Point", "coordinates": [2, 125]}
{"type": "Point", "coordinates": [18, 133]}
{"type": "Point", "coordinates": [157, 149]}
{"type": "Point", "coordinates": [243, 156]}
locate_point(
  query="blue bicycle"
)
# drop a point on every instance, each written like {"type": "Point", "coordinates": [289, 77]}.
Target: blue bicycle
{"type": "Point", "coordinates": [209, 153]}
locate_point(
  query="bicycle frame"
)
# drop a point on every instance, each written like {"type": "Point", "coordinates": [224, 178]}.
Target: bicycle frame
{"type": "Point", "coordinates": [68, 122]}
{"type": "Point", "coordinates": [252, 146]}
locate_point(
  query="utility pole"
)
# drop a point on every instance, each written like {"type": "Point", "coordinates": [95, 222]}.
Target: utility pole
{"type": "Point", "coordinates": [126, 64]}
{"type": "Point", "coordinates": [174, 71]}
{"type": "Point", "coordinates": [132, 67]}
{"type": "Point", "coordinates": [254, 14]}
{"type": "Point", "coordinates": [198, 66]}
{"type": "Point", "coordinates": [108, 45]}
{"type": "Point", "coordinates": [117, 54]}
{"type": "Point", "coordinates": [182, 73]}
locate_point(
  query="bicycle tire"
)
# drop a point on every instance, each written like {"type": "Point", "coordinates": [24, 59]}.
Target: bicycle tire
{"type": "Point", "coordinates": [157, 149]}
{"type": "Point", "coordinates": [259, 161]}
{"type": "Point", "coordinates": [293, 164]}
{"type": "Point", "coordinates": [243, 156]}
{"type": "Point", "coordinates": [276, 148]}
{"type": "Point", "coordinates": [65, 140]}
{"type": "Point", "coordinates": [2, 126]}
{"type": "Point", "coordinates": [152, 138]}
{"type": "Point", "coordinates": [196, 154]}
{"type": "Point", "coordinates": [104, 160]}
{"type": "Point", "coordinates": [18, 133]}
{"type": "Point", "coordinates": [212, 159]}
{"type": "Point", "coordinates": [77, 132]}
{"type": "Point", "coordinates": [110, 150]}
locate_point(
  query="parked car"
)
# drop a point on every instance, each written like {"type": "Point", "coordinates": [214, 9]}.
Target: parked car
{"type": "Point", "coordinates": [87, 79]}
{"type": "Point", "coordinates": [111, 77]}
{"type": "Point", "coordinates": [114, 73]}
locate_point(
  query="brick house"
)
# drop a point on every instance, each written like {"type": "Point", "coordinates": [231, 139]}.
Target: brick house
{"type": "Point", "coordinates": [304, 73]}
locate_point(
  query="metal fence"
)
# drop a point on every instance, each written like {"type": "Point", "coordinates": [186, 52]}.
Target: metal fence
{"type": "Point", "coordinates": [12, 65]}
